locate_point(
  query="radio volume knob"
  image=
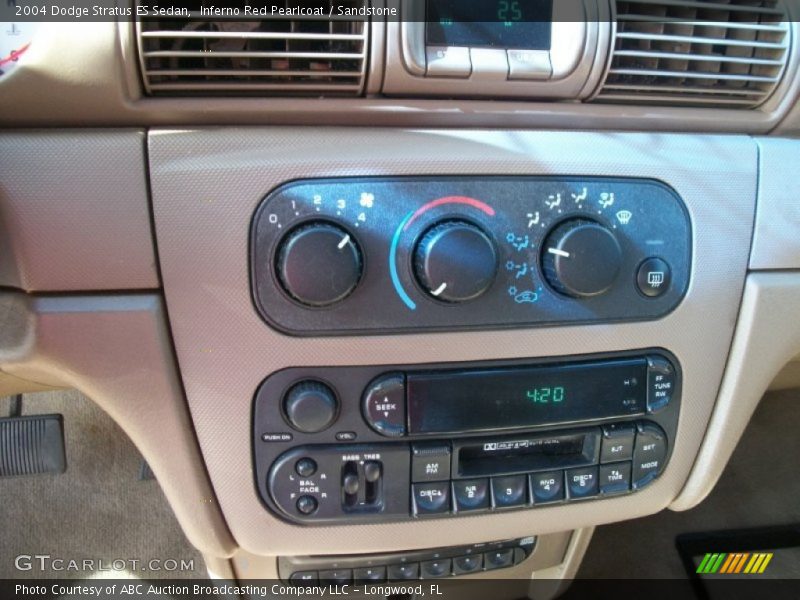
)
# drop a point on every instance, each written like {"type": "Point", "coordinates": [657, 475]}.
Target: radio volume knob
{"type": "Point", "coordinates": [318, 264]}
{"type": "Point", "coordinates": [455, 261]}
{"type": "Point", "coordinates": [581, 258]}
{"type": "Point", "coordinates": [310, 406]}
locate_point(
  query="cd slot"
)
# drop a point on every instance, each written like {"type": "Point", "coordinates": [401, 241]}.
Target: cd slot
{"type": "Point", "coordinates": [500, 456]}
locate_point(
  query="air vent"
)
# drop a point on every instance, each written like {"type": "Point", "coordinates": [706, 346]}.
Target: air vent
{"type": "Point", "coordinates": [280, 56]}
{"type": "Point", "coordinates": [708, 52]}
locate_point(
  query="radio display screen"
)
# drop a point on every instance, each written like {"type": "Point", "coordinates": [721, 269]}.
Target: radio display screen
{"type": "Point", "coordinates": [519, 397]}
{"type": "Point", "coordinates": [523, 24]}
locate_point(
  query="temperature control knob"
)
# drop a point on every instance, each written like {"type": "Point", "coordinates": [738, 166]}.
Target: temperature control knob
{"type": "Point", "coordinates": [581, 258]}
{"type": "Point", "coordinates": [455, 261]}
{"type": "Point", "coordinates": [318, 263]}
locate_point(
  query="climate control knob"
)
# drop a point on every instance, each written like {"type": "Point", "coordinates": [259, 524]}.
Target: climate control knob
{"type": "Point", "coordinates": [455, 261]}
{"type": "Point", "coordinates": [318, 263]}
{"type": "Point", "coordinates": [581, 258]}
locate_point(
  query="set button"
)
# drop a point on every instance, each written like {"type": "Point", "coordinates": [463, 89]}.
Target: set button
{"type": "Point", "coordinates": [582, 483]}
{"type": "Point", "coordinates": [431, 498]}
{"type": "Point", "coordinates": [615, 478]}
{"type": "Point", "coordinates": [509, 491]}
{"type": "Point", "coordinates": [471, 494]}
{"type": "Point", "coordinates": [547, 487]}
{"type": "Point", "coordinates": [649, 454]}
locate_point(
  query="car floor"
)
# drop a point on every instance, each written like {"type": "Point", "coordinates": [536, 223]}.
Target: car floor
{"type": "Point", "coordinates": [759, 487]}
{"type": "Point", "coordinates": [98, 509]}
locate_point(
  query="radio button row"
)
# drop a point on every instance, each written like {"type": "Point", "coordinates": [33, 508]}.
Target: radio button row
{"type": "Point", "coordinates": [617, 443]}
{"type": "Point", "coordinates": [431, 498]}
{"type": "Point", "coordinates": [547, 487]}
{"type": "Point", "coordinates": [498, 559]}
{"type": "Point", "coordinates": [433, 569]}
{"type": "Point", "coordinates": [649, 454]}
{"type": "Point", "coordinates": [467, 564]}
{"type": "Point", "coordinates": [370, 575]}
{"type": "Point", "coordinates": [430, 462]}
{"type": "Point", "coordinates": [509, 491]}
{"type": "Point", "coordinates": [403, 572]}
{"type": "Point", "coordinates": [615, 478]}
{"type": "Point", "coordinates": [582, 483]}
{"type": "Point", "coordinates": [471, 494]}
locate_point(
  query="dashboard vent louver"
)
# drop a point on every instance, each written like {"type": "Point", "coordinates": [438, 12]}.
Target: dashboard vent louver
{"type": "Point", "coordinates": [728, 53]}
{"type": "Point", "coordinates": [272, 56]}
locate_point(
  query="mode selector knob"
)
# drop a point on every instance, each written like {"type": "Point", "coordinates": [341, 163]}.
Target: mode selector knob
{"type": "Point", "coordinates": [318, 263]}
{"type": "Point", "coordinates": [581, 258]}
{"type": "Point", "coordinates": [455, 261]}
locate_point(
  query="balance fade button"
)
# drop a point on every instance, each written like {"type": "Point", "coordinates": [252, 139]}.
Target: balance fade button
{"type": "Point", "coordinates": [617, 442]}
{"type": "Point", "coordinates": [305, 467]}
{"type": "Point", "coordinates": [448, 61]}
{"type": "Point", "coordinates": [471, 494]}
{"type": "Point", "coordinates": [509, 491]}
{"type": "Point", "coordinates": [649, 453]}
{"type": "Point", "coordinates": [430, 462]}
{"type": "Point", "coordinates": [306, 505]}
{"type": "Point", "coordinates": [403, 572]}
{"type": "Point", "coordinates": [615, 478]}
{"type": "Point", "coordinates": [431, 498]}
{"type": "Point", "coordinates": [300, 578]}
{"type": "Point", "coordinates": [498, 559]}
{"type": "Point", "coordinates": [384, 405]}
{"type": "Point", "coordinates": [433, 569]}
{"type": "Point", "coordinates": [582, 483]}
{"type": "Point", "coordinates": [653, 277]}
{"type": "Point", "coordinates": [547, 487]}
{"type": "Point", "coordinates": [370, 575]}
{"type": "Point", "coordinates": [336, 577]}
{"type": "Point", "coordinates": [467, 564]}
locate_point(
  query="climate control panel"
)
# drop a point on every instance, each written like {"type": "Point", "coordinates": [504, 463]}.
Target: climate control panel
{"type": "Point", "coordinates": [374, 255]}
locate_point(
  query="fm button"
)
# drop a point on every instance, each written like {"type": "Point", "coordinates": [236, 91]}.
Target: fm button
{"type": "Point", "coordinates": [384, 405]}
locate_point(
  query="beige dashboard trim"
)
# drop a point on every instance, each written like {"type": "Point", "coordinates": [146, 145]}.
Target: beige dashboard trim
{"type": "Point", "coordinates": [117, 351]}
{"type": "Point", "coordinates": [767, 337]}
{"type": "Point", "coordinates": [206, 184]}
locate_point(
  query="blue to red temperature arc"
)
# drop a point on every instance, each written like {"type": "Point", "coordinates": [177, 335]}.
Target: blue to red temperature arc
{"type": "Point", "coordinates": [406, 223]}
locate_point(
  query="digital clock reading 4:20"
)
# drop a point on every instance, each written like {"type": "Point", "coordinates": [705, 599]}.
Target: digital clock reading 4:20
{"type": "Point", "coordinates": [523, 24]}
{"type": "Point", "coordinates": [546, 395]}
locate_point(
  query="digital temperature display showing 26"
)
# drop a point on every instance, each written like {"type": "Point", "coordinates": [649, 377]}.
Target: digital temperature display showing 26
{"type": "Point", "coordinates": [523, 24]}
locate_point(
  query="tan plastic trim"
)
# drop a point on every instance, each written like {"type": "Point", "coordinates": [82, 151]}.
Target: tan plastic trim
{"type": "Point", "coordinates": [767, 337]}
{"type": "Point", "coordinates": [97, 83]}
{"type": "Point", "coordinates": [117, 351]}
{"type": "Point", "coordinates": [206, 185]}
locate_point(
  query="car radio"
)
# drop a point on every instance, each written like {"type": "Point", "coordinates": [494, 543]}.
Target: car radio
{"type": "Point", "coordinates": [367, 444]}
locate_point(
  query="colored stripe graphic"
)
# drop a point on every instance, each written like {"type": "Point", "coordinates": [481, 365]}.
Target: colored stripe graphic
{"type": "Point", "coordinates": [734, 563]}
